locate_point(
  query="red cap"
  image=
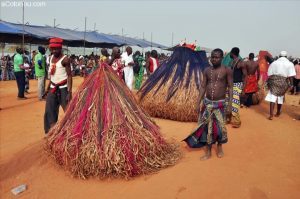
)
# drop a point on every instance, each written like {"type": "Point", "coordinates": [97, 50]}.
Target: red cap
{"type": "Point", "coordinates": [55, 42]}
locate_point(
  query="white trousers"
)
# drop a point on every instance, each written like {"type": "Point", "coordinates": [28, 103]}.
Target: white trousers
{"type": "Point", "coordinates": [41, 86]}
{"type": "Point", "coordinates": [128, 75]}
{"type": "Point", "coordinates": [273, 98]}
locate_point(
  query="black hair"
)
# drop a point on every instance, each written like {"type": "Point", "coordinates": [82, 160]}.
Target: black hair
{"type": "Point", "coordinates": [19, 50]}
{"type": "Point", "coordinates": [218, 50]}
{"type": "Point", "coordinates": [137, 53]}
{"type": "Point", "coordinates": [235, 51]}
{"type": "Point", "coordinates": [154, 54]}
{"type": "Point", "coordinates": [251, 56]}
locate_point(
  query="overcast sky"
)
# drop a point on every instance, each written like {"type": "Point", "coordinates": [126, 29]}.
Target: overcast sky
{"type": "Point", "coordinates": [249, 25]}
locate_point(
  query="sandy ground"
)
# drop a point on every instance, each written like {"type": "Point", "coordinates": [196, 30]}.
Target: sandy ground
{"type": "Point", "coordinates": [261, 160]}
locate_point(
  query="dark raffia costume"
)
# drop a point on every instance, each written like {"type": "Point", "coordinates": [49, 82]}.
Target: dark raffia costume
{"type": "Point", "coordinates": [172, 91]}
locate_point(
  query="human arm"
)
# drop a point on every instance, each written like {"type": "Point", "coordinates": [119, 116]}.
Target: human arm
{"type": "Point", "coordinates": [131, 63]}
{"type": "Point", "coordinates": [22, 66]}
{"type": "Point", "coordinates": [202, 89]}
{"type": "Point", "coordinates": [230, 90]}
{"type": "Point", "coordinates": [147, 66]}
{"type": "Point", "coordinates": [203, 85]}
{"type": "Point", "coordinates": [39, 60]}
{"type": "Point", "coordinates": [291, 74]}
{"type": "Point", "coordinates": [257, 72]}
{"type": "Point", "coordinates": [244, 71]}
{"type": "Point", "coordinates": [47, 88]}
{"type": "Point", "coordinates": [67, 65]}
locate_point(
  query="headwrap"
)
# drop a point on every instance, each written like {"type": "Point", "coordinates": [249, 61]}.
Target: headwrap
{"type": "Point", "coordinates": [55, 43]}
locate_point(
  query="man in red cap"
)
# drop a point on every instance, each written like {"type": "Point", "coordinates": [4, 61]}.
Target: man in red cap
{"type": "Point", "coordinates": [59, 90]}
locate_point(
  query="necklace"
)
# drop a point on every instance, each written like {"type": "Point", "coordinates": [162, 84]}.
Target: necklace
{"type": "Point", "coordinates": [215, 84]}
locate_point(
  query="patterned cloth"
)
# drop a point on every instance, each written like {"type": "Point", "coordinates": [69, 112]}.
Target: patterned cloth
{"type": "Point", "coordinates": [251, 85]}
{"type": "Point", "coordinates": [237, 90]}
{"type": "Point", "coordinates": [117, 66]}
{"type": "Point", "coordinates": [277, 85]}
{"type": "Point", "coordinates": [211, 125]}
{"type": "Point", "coordinates": [140, 75]}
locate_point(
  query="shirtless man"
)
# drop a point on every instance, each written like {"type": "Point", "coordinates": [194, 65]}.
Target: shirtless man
{"type": "Point", "coordinates": [211, 126]}
{"type": "Point", "coordinates": [253, 75]}
{"type": "Point", "coordinates": [239, 74]}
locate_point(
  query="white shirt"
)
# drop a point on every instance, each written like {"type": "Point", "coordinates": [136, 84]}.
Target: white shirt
{"type": "Point", "coordinates": [282, 67]}
{"type": "Point", "coordinates": [60, 72]}
{"type": "Point", "coordinates": [126, 59]}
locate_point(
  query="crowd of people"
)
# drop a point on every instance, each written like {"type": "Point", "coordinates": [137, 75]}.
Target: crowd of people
{"type": "Point", "coordinates": [237, 81]}
{"type": "Point", "coordinates": [36, 66]}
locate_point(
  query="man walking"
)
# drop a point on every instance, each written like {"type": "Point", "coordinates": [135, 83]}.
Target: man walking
{"type": "Point", "coordinates": [40, 71]}
{"type": "Point", "coordinates": [127, 59]}
{"type": "Point", "coordinates": [280, 79]}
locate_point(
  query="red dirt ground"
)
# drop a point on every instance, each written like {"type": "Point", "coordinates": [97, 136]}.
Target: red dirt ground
{"type": "Point", "coordinates": [261, 160]}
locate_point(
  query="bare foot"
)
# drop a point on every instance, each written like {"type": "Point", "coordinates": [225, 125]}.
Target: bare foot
{"type": "Point", "coordinates": [277, 115]}
{"type": "Point", "coordinates": [270, 117]}
{"type": "Point", "coordinates": [205, 157]}
{"type": "Point", "coordinates": [220, 152]}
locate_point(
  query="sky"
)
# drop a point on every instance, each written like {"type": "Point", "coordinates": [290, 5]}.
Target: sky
{"type": "Point", "coordinates": [250, 25]}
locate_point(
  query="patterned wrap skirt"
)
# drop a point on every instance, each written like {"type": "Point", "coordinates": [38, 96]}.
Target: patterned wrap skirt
{"type": "Point", "coordinates": [211, 125]}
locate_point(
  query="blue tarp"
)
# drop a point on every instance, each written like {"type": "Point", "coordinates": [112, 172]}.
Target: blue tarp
{"type": "Point", "coordinates": [137, 42]}
{"type": "Point", "coordinates": [40, 34]}
{"type": "Point", "coordinates": [8, 28]}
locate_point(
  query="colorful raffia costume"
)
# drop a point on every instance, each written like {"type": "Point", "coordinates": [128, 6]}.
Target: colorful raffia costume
{"type": "Point", "coordinates": [173, 90]}
{"type": "Point", "coordinates": [104, 133]}
{"type": "Point", "coordinates": [211, 125]}
{"type": "Point", "coordinates": [264, 64]}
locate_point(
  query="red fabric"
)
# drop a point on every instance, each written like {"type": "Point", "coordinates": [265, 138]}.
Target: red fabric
{"type": "Point", "coordinates": [56, 86]}
{"type": "Point", "coordinates": [55, 43]}
{"type": "Point", "coordinates": [151, 64]}
{"type": "Point", "coordinates": [117, 66]}
{"type": "Point", "coordinates": [215, 129]}
{"type": "Point", "coordinates": [53, 69]}
{"type": "Point", "coordinates": [191, 46]}
{"type": "Point", "coordinates": [262, 62]}
{"type": "Point", "coordinates": [251, 84]}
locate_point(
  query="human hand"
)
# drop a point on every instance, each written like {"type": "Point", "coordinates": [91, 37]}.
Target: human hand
{"type": "Point", "coordinates": [45, 94]}
{"type": "Point", "coordinates": [243, 93]}
{"type": "Point", "coordinates": [69, 96]}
